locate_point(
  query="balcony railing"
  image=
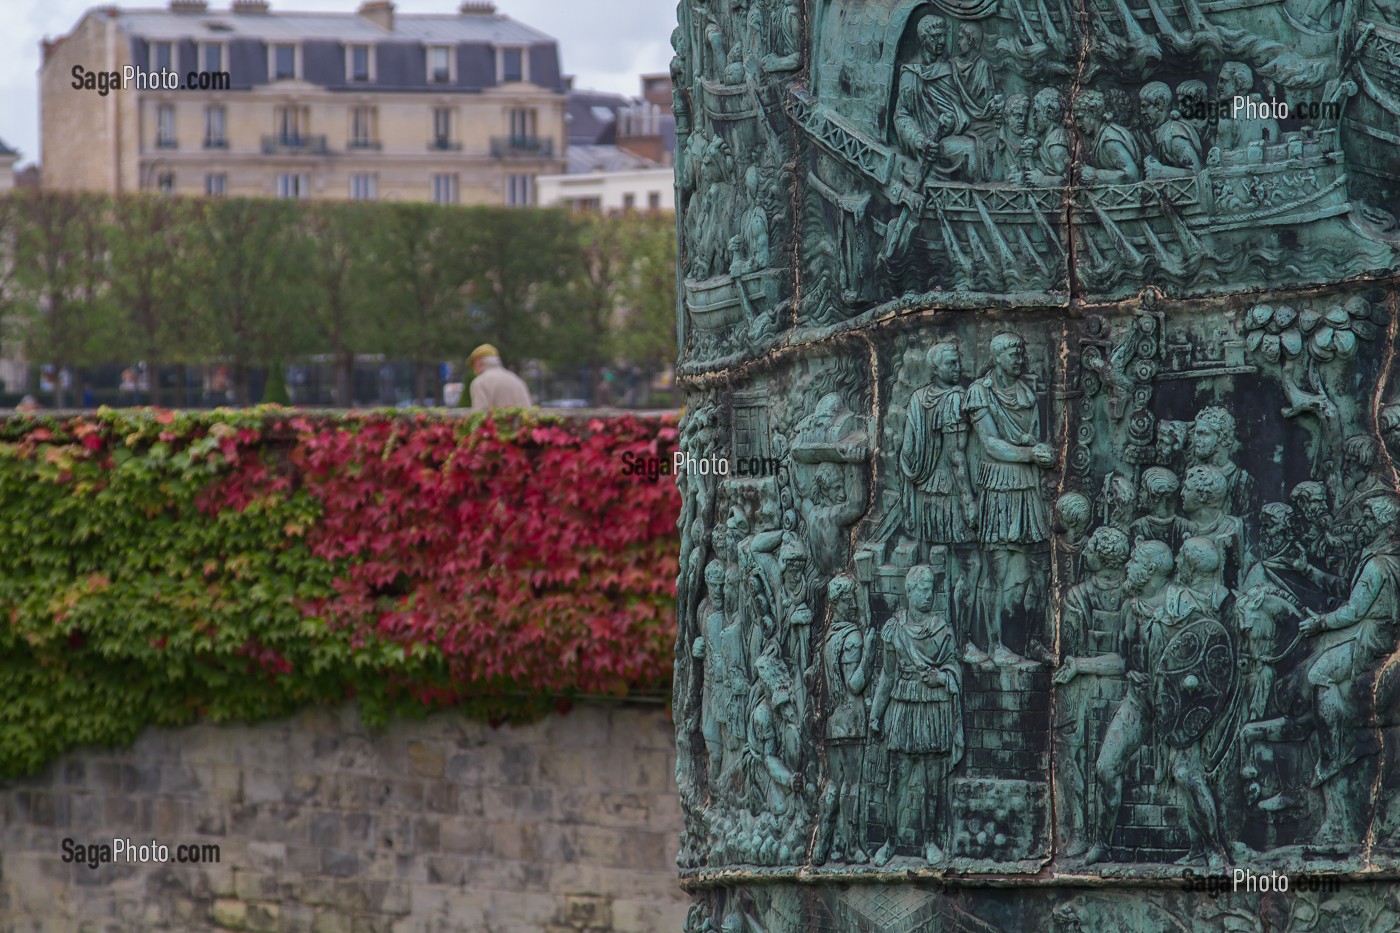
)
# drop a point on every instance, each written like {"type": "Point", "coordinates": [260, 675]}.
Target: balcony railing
{"type": "Point", "coordinates": [215, 142]}
{"type": "Point", "coordinates": [166, 142]}
{"type": "Point", "coordinates": [298, 145]}
{"type": "Point", "coordinates": [364, 144]}
{"type": "Point", "coordinates": [443, 144]}
{"type": "Point", "coordinates": [522, 147]}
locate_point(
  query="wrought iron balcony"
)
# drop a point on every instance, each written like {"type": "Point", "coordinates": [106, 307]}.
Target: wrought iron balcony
{"type": "Point", "coordinates": [443, 144]}
{"type": "Point", "coordinates": [522, 147]}
{"type": "Point", "coordinates": [364, 144]}
{"type": "Point", "coordinates": [283, 144]}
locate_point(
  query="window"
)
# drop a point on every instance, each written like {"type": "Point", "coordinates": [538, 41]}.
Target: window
{"type": "Point", "coordinates": [284, 61]}
{"type": "Point", "coordinates": [587, 205]}
{"type": "Point", "coordinates": [359, 66]}
{"type": "Point", "coordinates": [522, 190]}
{"type": "Point", "coordinates": [442, 127]}
{"type": "Point", "coordinates": [439, 64]}
{"type": "Point", "coordinates": [211, 56]}
{"type": "Point", "coordinates": [214, 127]}
{"type": "Point", "coordinates": [629, 202]}
{"type": "Point", "coordinates": [522, 124]}
{"type": "Point", "coordinates": [445, 189]}
{"type": "Point", "coordinates": [512, 65]}
{"type": "Point", "coordinates": [362, 120]}
{"type": "Point", "coordinates": [162, 56]}
{"type": "Point", "coordinates": [364, 187]}
{"type": "Point", "coordinates": [165, 183]}
{"type": "Point", "coordinates": [654, 201]}
{"type": "Point", "coordinates": [294, 185]}
{"type": "Point", "coordinates": [165, 126]}
{"type": "Point", "coordinates": [216, 185]}
{"type": "Point", "coordinates": [291, 121]}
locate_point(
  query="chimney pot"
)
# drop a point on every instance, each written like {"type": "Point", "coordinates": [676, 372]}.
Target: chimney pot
{"type": "Point", "coordinates": [379, 12]}
{"type": "Point", "coordinates": [477, 8]}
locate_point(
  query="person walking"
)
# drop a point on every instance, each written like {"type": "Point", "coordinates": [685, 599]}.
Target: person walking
{"type": "Point", "coordinates": [494, 385]}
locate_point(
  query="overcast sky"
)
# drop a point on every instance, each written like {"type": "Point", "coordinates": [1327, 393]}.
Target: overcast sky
{"type": "Point", "coordinates": [605, 43]}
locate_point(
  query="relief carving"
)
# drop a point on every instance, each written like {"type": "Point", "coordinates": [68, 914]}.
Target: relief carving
{"type": "Point", "coordinates": [1080, 550]}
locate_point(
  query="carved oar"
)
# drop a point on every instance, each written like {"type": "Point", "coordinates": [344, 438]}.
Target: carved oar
{"type": "Point", "coordinates": [1030, 251]}
{"type": "Point", "coordinates": [1120, 240]}
{"type": "Point", "coordinates": [1191, 245]}
{"type": "Point", "coordinates": [950, 239]}
{"type": "Point", "coordinates": [1025, 23]}
{"type": "Point", "coordinates": [1047, 27]}
{"type": "Point", "coordinates": [1044, 223]}
{"type": "Point", "coordinates": [1170, 263]}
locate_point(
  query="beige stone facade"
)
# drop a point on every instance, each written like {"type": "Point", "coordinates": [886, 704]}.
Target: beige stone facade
{"type": "Point", "coordinates": [478, 132]}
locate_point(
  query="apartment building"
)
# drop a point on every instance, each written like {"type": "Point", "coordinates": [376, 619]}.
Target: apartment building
{"type": "Point", "coordinates": [372, 105]}
{"type": "Point", "coordinates": [621, 151]}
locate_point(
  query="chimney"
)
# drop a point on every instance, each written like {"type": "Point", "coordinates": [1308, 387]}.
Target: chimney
{"type": "Point", "coordinates": [476, 8]}
{"type": "Point", "coordinates": [379, 12]}
{"type": "Point", "coordinates": [188, 6]}
{"type": "Point", "coordinates": [250, 6]}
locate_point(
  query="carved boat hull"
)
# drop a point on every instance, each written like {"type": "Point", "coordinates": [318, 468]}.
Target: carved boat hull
{"type": "Point", "coordinates": [716, 303]}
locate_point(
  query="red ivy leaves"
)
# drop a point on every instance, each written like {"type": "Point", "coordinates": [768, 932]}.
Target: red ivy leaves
{"type": "Point", "coordinates": [521, 552]}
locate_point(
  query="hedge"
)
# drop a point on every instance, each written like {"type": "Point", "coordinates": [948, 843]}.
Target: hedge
{"type": "Point", "coordinates": [161, 568]}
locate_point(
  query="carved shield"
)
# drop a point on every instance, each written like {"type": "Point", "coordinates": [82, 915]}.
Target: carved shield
{"type": "Point", "coordinates": [1194, 676]}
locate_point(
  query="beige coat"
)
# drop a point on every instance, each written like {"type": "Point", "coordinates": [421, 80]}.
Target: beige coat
{"type": "Point", "coordinates": [498, 387]}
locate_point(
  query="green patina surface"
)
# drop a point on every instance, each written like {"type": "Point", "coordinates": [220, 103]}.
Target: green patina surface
{"type": "Point", "coordinates": [1080, 568]}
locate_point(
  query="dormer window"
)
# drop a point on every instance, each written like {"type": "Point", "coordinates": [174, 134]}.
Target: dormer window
{"type": "Point", "coordinates": [162, 56]}
{"type": "Point", "coordinates": [512, 64]}
{"type": "Point", "coordinates": [359, 64]}
{"type": "Point", "coordinates": [440, 64]}
{"type": "Point", "coordinates": [283, 66]}
{"type": "Point", "coordinates": [211, 56]}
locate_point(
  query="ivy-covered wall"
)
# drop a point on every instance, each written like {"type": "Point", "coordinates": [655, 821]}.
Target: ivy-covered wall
{"type": "Point", "coordinates": [162, 568]}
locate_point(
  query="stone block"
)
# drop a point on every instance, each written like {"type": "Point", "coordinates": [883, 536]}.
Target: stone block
{"type": "Point", "coordinates": [358, 829]}
{"type": "Point", "coordinates": [588, 912]}
{"type": "Point", "coordinates": [440, 797]}
{"type": "Point", "coordinates": [264, 917]}
{"type": "Point", "coordinates": [648, 915]}
{"type": "Point", "coordinates": [229, 915]}
{"type": "Point", "coordinates": [339, 863]}
{"type": "Point", "coordinates": [426, 760]}
{"type": "Point", "coordinates": [332, 921]}
{"type": "Point", "coordinates": [427, 834]}
{"type": "Point", "coordinates": [324, 829]}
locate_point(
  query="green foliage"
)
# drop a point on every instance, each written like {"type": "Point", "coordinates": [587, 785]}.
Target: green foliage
{"type": "Point", "coordinates": [647, 295]}
{"type": "Point", "coordinates": [60, 270]}
{"type": "Point", "coordinates": [152, 282]}
{"type": "Point", "coordinates": [253, 257]}
{"type": "Point", "coordinates": [238, 282]}
{"type": "Point", "coordinates": [520, 258]}
{"type": "Point", "coordinates": [129, 604]}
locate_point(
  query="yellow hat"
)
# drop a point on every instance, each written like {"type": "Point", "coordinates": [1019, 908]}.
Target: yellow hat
{"type": "Point", "coordinates": [482, 352]}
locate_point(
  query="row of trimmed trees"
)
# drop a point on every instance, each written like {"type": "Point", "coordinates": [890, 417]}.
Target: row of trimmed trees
{"type": "Point", "coordinates": [87, 280]}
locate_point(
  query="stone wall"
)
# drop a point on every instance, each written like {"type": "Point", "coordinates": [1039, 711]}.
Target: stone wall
{"type": "Point", "coordinates": [325, 825]}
